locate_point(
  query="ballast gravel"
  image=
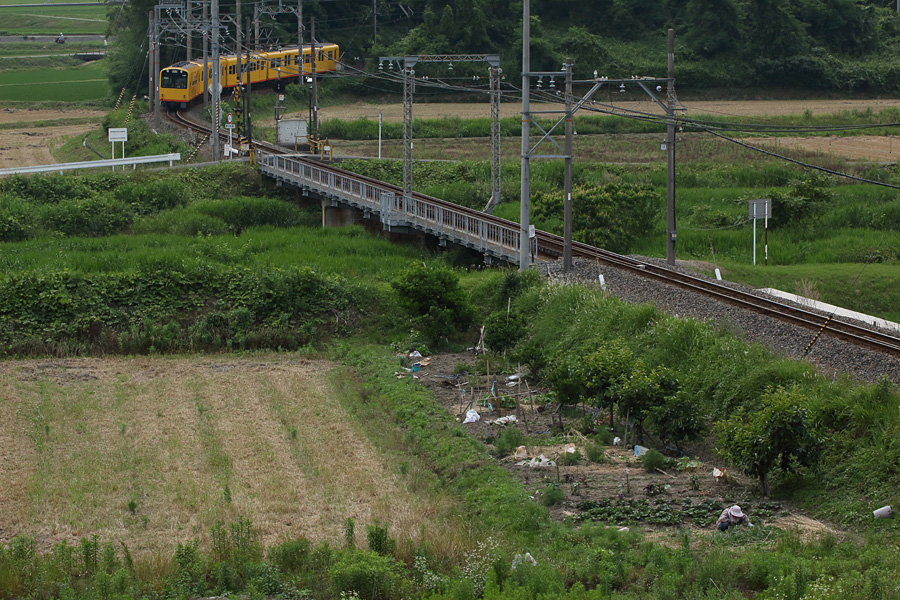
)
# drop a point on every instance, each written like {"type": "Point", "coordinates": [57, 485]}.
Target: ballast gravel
{"type": "Point", "coordinates": [830, 355]}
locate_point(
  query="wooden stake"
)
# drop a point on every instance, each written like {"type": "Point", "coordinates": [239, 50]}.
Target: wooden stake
{"type": "Point", "coordinates": [666, 474]}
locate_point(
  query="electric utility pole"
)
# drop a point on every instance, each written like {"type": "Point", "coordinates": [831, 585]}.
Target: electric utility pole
{"type": "Point", "coordinates": [670, 152]}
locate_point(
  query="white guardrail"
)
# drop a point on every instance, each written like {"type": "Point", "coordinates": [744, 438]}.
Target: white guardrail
{"type": "Point", "coordinates": [479, 233]}
{"type": "Point", "coordinates": [93, 164]}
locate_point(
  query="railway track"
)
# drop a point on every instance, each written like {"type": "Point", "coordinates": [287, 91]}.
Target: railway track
{"type": "Point", "coordinates": [550, 247]}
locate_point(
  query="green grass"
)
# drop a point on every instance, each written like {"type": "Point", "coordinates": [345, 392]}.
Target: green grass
{"type": "Point", "coordinates": [85, 82]}
{"type": "Point", "coordinates": [349, 251]}
{"type": "Point", "coordinates": [23, 48]}
{"type": "Point", "coordinates": [50, 20]}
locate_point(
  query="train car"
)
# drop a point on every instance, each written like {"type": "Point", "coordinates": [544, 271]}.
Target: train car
{"type": "Point", "coordinates": [182, 83]}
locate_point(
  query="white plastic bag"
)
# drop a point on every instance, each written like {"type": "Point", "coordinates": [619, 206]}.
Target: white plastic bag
{"type": "Point", "coordinates": [472, 416]}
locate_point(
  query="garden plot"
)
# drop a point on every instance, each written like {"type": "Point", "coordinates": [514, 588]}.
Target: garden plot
{"type": "Point", "coordinates": [617, 491]}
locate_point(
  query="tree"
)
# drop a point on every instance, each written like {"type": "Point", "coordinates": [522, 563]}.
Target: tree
{"type": "Point", "coordinates": [597, 377]}
{"type": "Point", "coordinates": [780, 435]}
{"type": "Point", "coordinates": [677, 420]}
{"type": "Point", "coordinates": [432, 296]}
{"type": "Point", "coordinates": [713, 26]}
{"type": "Point", "coordinates": [775, 29]}
{"type": "Point", "coordinates": [643, 391]}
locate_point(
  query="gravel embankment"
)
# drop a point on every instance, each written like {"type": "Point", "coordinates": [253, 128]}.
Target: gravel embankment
{"type": "Point", "coordinates": [831, 356]}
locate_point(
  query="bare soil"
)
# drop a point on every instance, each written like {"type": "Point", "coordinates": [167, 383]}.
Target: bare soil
{"type": "Point", "coordinates": [15, 115]}
{"type": "Point", "coordinates": [28, 145]}
{"type": "Point", "coordinates": [620, 486]}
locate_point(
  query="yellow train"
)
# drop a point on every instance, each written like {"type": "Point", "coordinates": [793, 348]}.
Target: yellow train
{"type": "Point", "coordinates": [182, 82]}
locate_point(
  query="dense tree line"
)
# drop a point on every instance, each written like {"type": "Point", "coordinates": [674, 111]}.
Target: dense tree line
{"type": "Point", "coordinates": [839, 45]}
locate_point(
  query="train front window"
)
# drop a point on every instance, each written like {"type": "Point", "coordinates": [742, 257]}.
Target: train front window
{"type": "Point", "coordinates": [174, 79]}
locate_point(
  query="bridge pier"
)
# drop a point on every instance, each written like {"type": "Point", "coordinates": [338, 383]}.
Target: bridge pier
{"type": "Point", "coordinates": [335, 215]}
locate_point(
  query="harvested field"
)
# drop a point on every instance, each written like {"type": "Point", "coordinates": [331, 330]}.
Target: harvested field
{"type": "Point", "coordinates": [29, 145]}
{"type": "Point", "coordinates": [864, 148]}
{"type": "Point", "coordinates": [154, 451]}
{"type": "Point", "coordinates": [740, 108]}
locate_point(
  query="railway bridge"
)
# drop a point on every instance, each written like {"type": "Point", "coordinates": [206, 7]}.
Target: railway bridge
{"type": "Point", "coordinates": [497, 239]}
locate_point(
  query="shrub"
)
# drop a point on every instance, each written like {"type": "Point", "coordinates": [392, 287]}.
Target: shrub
{"type": "Point", "coordinates": [653, 460]}
{"type": "Point", "coordinates": [609, 216]}
{"type": "Point", "coordinates": [153, 196]}
{"type": "Point", "coordinates": [433, 297]}
{"type": "Point", "coordinates": [290, 557]}
{"type": "Point", "coordinates": [570, 459]}
{"type": "Point", "coordinates": [90, 217]}
{"type": "Point", "coordinates": [185, 222]}
{"type": "Point", "coordinates": [502, 330]}
{"type": "Point", "coordinates": [508, 440]}
{"type": "Point", "coordinates": [378, 539]}
{"type": "Point", "coordinates": [603, 436]}
{"type": "Point", "coordinates": [368, 574]}
{"type": "Point", "coordinates": [552, 495]}
{"type": "Point", "coordinates": [242, 212]}
{"type": "Point", "coordinates": [595, 453]}
{"type": "Point", "coordinates": [677, 420]}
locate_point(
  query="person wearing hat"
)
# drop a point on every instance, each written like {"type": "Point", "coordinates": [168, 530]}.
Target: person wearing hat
{"type": "Point", "coordinates": [732, 517]}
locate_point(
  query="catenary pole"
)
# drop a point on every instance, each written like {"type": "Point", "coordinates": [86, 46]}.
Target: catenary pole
{"type": "Point", "coordinates": [205, 18]}
{"type": "Point", "coordinates": [670, 153]}
{"type": "Point", "coordinates": [216, 81]}
{"type": "Point", "coordinates": [524, 241]}
{"type": "Point", "coordinates": [567, 191]}
{"type": "Point", "coordinates": [315, 79]}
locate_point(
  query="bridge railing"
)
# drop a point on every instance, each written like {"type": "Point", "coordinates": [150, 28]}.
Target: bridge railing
{"type": "Point", "coordinates": [93, 164]}
{"type": "Point", "coordinates": [471, 229]}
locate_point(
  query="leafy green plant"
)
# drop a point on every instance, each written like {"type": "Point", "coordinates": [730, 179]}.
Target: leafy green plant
{"type": "Point", "coordinates": [368, 574]}
{"type": "Point", "coordinates": [349, 533]}
{"type": "Point", "coordinates": [569, 459]}
{"type": "Point", "coordinates": [552, 495]}
{"type": "Point", "coordinates": [596, 453]}
{"type": "Point", "coordinates": [677, 419]}
{"type": "Point", "coordinates": [290, 557]}
{"type": "Point", "coordinates": [508, 440]}
{"type": "Point", "coordinates": [502, 330]}
{"type": "Point", "coordinates": [378, 539]}
{"type": "Point", "coordinates": [653, 460]}
{"type": "Point", "coordinates": [609, 215]}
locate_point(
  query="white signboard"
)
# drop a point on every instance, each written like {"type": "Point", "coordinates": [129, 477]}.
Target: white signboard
{"type": "Point", "coordinates": [118, 134]}
{"type": "Point", "coordinates": [531, 231]}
